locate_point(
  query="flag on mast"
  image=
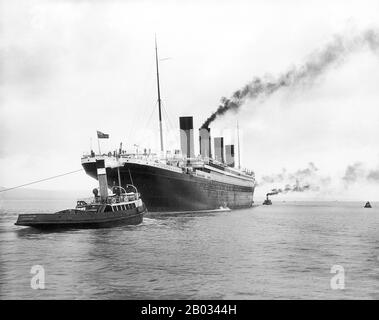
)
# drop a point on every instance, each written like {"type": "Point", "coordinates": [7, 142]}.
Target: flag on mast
{"type": "Point", "coordinates": [101, 135]}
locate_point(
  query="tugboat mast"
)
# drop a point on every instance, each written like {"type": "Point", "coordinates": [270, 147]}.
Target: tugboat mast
{"type": "Point", "coordinates": [159, 95]}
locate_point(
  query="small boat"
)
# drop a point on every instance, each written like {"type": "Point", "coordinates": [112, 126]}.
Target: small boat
{"type": "Point", "coordinates": [119, 208]}
{"type": "Point", "coordinates": [367, 205]}
{"type": "Point", "coordinates": [267, 201]}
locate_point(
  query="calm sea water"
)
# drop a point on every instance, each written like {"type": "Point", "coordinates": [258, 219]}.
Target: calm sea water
{"type": "Point", "coordinates": [283, 251]}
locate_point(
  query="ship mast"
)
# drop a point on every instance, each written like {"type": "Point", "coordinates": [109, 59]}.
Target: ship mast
{"type": "Point", "coordinates": [159, 95]}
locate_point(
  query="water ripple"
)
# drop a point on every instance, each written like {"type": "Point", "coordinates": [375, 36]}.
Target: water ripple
{"type": "Point", "coordinates": [284, 251]}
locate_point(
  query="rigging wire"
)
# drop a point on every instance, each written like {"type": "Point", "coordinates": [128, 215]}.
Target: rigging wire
{"type": "Point", "coordinates": [169, 126]}
{"type": "Point", "coordinates": [142, 138]}
{"type": "Point", "coordinates": [41, 180]}
{"type": "Point", "coordinates": [168, 117]}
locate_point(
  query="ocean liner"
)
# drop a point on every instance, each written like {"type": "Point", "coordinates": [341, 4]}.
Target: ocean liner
{"type": "Point", "coordinates": [182, 181]}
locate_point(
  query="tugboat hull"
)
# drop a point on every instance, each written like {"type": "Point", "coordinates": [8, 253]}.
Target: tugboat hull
{"type": "Point", "coordinates": [79, 219]}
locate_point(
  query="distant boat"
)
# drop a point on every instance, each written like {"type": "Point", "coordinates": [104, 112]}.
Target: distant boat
{"type": "Point", "coordinates": [267, 201]}
{"type": "Point", "coordinates": [367, 205]}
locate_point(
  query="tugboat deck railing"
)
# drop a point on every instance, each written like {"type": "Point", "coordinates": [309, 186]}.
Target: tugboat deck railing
{"type": "Point", "coordinates": [110, 200]}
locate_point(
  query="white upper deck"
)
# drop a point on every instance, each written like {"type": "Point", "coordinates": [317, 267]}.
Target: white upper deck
{"type": "Point", "coordinates": [202, 167]}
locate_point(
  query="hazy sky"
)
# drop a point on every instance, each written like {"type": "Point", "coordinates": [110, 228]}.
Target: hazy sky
{"type": "Point", "coordinates": [69, 68]}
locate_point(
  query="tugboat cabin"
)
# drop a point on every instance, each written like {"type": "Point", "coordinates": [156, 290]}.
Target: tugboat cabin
{"type": "Point", "coordinates": [120, 200]}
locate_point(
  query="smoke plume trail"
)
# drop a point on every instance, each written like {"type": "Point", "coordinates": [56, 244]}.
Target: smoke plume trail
{"type": "Point", "coordinates": [316, 64]}
{"type": "Point", "coordinates": [310, 175]}
{"type": "Point", "coordinates": [353, 172]}
{"type": "Point", "coordinates": [288, 188]}
{"type": "Point", "coordinates": [373, 175]}
{"type": "Point", "coordinates": [360, 172]}
{"type": "Point", "coordinates": [302, 180]}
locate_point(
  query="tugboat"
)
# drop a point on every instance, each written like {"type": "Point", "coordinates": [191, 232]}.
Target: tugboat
{"type": "Point", "coordinates": [121, 207]}
{"type": "Point", "coordinates": [267, 202]}
{"type": "Point", "coordinates": [367, 205]}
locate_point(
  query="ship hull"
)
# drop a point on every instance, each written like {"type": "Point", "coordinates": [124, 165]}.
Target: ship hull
{"type": "Point", "coordinates": [166, 190]}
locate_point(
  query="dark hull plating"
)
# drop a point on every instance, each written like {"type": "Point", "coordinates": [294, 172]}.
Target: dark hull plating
{"type": "Point", "coordinates": [165, 190]}
{"type": "Point", "coordinates": [80, 220]}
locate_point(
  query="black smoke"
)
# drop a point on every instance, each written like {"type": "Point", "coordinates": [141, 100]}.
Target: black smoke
{"type": "Point", "coordinates": [288, 188]}
{"type": "Point", "coordinates": [301, 180]}
{"type": "Point", "coordinates": [315, 65]}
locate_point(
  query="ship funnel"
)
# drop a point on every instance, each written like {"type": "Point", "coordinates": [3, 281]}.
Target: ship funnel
{"type": "Point", "coordinates": [102, 177]}
{"type": "Point", "coordinates": [186, 137]}
{"type": "Point", "coordinates": [219, 149]}
{"type": "Point", "coordinates": [229, 155]}
{"type": "Point", "coordinates": [205, 142]}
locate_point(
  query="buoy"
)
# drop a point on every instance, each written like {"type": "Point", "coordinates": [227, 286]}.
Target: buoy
{"type": "Point", "coordinates": [367, 205]}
